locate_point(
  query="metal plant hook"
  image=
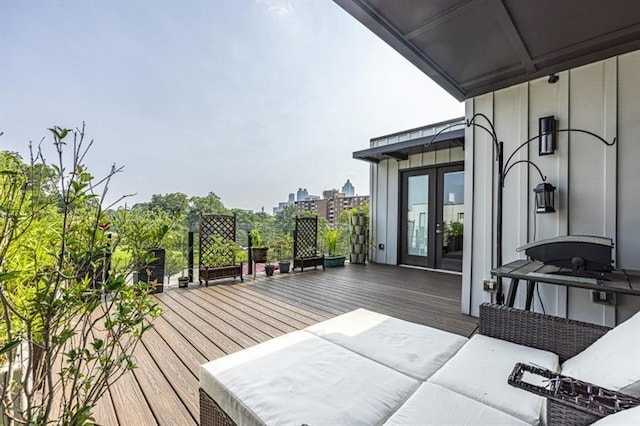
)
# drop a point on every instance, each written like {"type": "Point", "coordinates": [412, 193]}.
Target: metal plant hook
{"type": "Point", "coordinates": [433, 138]}
{"type": "Point", "coordinates": [506, 171]}
{"type": "Point", "coordinates": [528, 141]}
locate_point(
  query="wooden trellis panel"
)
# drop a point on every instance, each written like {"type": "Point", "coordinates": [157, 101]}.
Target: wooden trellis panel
{"type": "Point", "coordinates": [217, 252]}
{"type": "Point", "coordinates": [305, 243]}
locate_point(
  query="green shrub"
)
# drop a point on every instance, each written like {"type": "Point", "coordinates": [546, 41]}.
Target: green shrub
{"type": "Point", "coordinates": [77, 320]}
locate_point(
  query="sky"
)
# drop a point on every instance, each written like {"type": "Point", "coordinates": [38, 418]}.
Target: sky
{"type": "Point", "coordinates": [248, 99]}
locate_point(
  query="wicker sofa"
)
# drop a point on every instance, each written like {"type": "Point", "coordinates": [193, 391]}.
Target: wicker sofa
{"type": "Point", "coordinates": [366, 368]}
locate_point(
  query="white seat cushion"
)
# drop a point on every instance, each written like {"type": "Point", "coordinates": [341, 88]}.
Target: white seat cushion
{"type": "Point", "coordinates": [300, 378]}
{"type": "Point", "coordinates": [434, 405]}
{"type": "Point", "coordinates": [613, 361]}
{"type": "Point", "coordinates": [414, 349]}
{"type": "Point", "coordinates": [480, 371]}
{"type": "Point", "coordinates": [624, 417]}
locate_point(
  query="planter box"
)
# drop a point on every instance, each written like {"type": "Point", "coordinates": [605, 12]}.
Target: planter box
{"type": "Point", "coordinates": [284, 266]}
{"type": "Point", "coordinates": [333, 261]}
{"type": "Point", "coordinates": [259, 254]}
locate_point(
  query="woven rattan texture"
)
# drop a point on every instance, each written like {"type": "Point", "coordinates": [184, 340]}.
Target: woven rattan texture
{"type": "Point", "coordinates": [211, 414]}
{"type": "Point", "coordinates": [560, 414]}
{"type": "Point", "coordinates": [564, 337]}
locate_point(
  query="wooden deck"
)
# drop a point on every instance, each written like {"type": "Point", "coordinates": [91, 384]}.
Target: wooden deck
{"type": "Point", "coordinates": [200, 324]}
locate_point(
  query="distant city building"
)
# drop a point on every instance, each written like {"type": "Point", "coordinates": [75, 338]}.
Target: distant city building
{"type": "Point", "coordinates": [281, 206]}
{"type": "Point", "coordinates": [332, 203]}
{"type": "Point", "coordinates": [302, 194]}
{"type": "Point", "coordinates": [331, 208]}
{"type": "Point", "coordinates": [348, 189]}
{"type": "Point", "coordinates": [331, 193]}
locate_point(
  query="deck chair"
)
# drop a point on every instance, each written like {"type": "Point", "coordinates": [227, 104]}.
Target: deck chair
{"type": "Point", "coordinates": [217, 248]}
{"type": "Point", "coordinates": [305, 244]}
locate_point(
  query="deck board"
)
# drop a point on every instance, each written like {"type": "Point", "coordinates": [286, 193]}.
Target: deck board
{"type": "Point", "coordinates": [202, 323]}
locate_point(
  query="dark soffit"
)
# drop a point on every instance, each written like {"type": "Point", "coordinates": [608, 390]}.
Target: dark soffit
{"type": "Point", "coordinates": [472, 47]}
{"type": "Point", "coordinates": [402, 150]}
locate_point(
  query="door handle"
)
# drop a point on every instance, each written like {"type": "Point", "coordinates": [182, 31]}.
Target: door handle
{"type": "Point", "coordinates": [438, 229]}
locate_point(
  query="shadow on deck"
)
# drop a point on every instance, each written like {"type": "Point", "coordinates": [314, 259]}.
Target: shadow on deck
{"type": "Point", "coordinates": [200, 324]}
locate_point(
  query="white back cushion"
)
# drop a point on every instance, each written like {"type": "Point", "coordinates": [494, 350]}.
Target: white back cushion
{"type": "Point", "coordinates": [413, 349]}
{"type": "Point", "coordinates": [613, 361]}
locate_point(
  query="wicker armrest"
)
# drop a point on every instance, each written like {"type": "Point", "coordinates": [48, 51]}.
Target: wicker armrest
{"type": "Point", "coordinates": [571, 401]}
{"type": "Point", "coordinates": [562, 336]}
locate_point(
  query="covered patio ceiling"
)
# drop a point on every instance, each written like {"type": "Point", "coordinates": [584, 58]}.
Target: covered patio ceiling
{"type": "Point", "coordinates": [471, 47]}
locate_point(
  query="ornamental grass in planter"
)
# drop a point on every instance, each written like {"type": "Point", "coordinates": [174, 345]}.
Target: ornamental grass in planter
{"type": "Point", "coordinates": [332, 238]}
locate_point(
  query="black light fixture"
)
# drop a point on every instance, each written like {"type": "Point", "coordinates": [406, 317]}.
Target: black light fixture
{"type": "Point", "coordinates": [547, 135]}
{"type": "Point", "coordinates": [545, 198]}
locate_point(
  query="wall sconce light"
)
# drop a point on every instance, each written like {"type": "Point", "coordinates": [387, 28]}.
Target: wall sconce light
{"type": "Point", "coordinates": [545, 198]}
{"type": "Point", "coordinates": [547, 138]}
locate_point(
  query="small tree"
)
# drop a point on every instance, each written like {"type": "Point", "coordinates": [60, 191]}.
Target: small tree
{"type": "Point", "coordinates": [69, 318]}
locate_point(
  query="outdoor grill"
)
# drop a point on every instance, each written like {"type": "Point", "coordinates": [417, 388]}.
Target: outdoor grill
{"type": "Point", "coordinates": [583, 254]}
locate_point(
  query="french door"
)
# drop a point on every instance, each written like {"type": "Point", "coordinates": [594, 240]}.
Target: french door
{"type": "Point", "coordinates": [432, 217]}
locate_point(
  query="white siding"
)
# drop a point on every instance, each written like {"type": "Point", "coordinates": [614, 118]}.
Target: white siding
{"type": "Point", "coordinates": [597, 186]}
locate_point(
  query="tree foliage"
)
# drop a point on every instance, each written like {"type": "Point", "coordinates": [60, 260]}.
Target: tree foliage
{"type": "Point", "coordinates": [70, 317]}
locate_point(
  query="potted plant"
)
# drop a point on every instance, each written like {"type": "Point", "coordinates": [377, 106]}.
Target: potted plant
{"type": "Point", "coordinates": [454, 231]}
{"type": "Point", "coordinates": [258, 247]}
{"type": "Point", "coordinates": [183, 282]}
{"type": "Point", "coordinates": [269, 268]}
{"type": "Point", "coordinates": [331, 238]}
{"type": "Point", "coordinates": [283, 247]}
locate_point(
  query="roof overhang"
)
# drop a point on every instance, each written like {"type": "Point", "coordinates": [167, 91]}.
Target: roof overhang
{"type": "Point", "coordinates": [402, 150]}
{"type": "Point", "coordinates": [471, 47]}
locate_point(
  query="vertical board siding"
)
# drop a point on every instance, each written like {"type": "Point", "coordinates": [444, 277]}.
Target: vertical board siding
{"type": "Point", "coordinates": [468, 272]}
{"type": "Point", "coordinates": [513, 129]}
{"type": "Point", "coordinates": [375, 212]}
{"type": "Point", "coordinates": [392, 212]}
{"type": "Point", "coordinates": [628, 172]}
{"type": "Point", "coordinates": [381, 206]}
{"type": "Point", "coordinates": [587, 175]}
{"type": "Point", "coordinates": [596, 184]}
{"type": "Point", "coordinates": [483, 202]}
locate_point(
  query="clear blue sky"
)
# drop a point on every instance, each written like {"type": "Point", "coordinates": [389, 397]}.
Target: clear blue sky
{"type": "Point", "coordinates": [248, 99]}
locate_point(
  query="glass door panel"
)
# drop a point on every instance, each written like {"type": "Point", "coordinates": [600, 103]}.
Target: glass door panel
{"type": "Point", "coordinates": [417, 218]}
{"type": "Point", "coordinates": [450, 227]}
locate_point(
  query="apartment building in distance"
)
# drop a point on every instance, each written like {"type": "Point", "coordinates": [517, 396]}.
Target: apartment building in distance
{"type": "Point", "coordinates": [333, 203]}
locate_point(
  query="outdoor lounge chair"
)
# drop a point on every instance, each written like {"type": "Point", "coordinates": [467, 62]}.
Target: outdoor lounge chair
{"type": "Point", "coordinates": [217, 248]}
{"type": "Point", "coordinates": [367, 368]}
{"type": "Point", "coordinates": [305, 244]}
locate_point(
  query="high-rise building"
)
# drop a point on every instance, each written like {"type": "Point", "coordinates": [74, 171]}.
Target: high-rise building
{"type": "Point", "coordinates": [292, 198]}
{"type": "Point", "coordinates": [302, 194]}
{"type": "Point", "coordinates": [331, 193]}
{"type": "Point", "coordinates": [348, 189]}
{"type": "Point", "coordinates": [331, 208]}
